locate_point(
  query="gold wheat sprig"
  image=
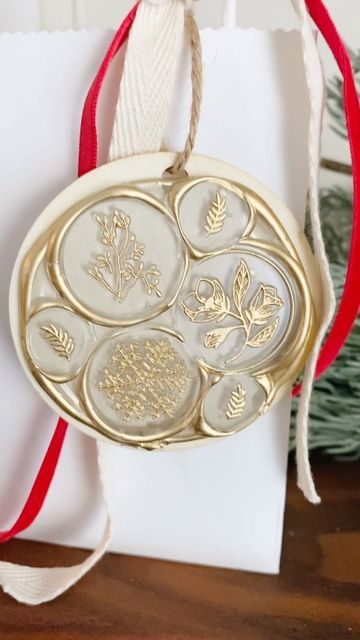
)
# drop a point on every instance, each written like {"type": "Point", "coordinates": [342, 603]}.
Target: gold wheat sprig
{"type": "Point", "coordinates": [236, 404]}
{"type": "Point", "coordinates": [216, 214]}
{"type": "Point", "coordinates": [59, 340]}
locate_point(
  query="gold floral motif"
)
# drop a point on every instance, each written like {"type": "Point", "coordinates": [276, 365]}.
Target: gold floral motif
{"type": "Point", "coordinates": [145, 379]}
{"type": "Point", "coordinates": [122, 260]}
{"type": "Point", "coordinates": [209, 302]}
{"type": "Point", "coordinates": [216, 214]}
{"type": "Point", "coordinates": [236, 404]}
{"type": "Point", "coordinates": [59, 340]}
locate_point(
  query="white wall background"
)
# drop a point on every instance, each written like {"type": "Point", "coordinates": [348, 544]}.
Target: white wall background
{"type": "Point", "coordinates": [64, 14]}
{"type": "Point", "coordinates": [27, 15]}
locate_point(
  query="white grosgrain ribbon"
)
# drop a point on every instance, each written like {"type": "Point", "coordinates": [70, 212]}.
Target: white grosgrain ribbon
{"type": "Point", "coordinates": [315, 85]}
{"type": "Point", "coordinates": [36, 585]}
{"type": "Point", "coordinates": [145, 92]}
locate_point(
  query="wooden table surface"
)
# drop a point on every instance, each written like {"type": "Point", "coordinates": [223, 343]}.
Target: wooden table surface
{"type": "Point", "coordinates": [316, 596]}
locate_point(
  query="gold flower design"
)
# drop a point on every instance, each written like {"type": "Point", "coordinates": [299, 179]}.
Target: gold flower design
{"type": "Point", "coordinates": [209, 302]}
{"type": "Point", "coordinates": [264, 304]}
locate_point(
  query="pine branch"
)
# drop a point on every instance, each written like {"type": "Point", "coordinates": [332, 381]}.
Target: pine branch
{"type": "Point", "coordinates": [216, 214]}
{"type": "Point", "coordinates": [336, 215]}
{"type": "Point", "coordinates": [338, 167]}
{"type": "Point", "coordinates": [236, 403]}
{"type": "Point", "coordinates": [59, 340]}
{"type": "Point", "coordinates": [334, 97]}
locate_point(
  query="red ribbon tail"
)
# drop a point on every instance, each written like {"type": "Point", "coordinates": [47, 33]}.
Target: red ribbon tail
{"type": "Point", "coordinates": [41, 485]}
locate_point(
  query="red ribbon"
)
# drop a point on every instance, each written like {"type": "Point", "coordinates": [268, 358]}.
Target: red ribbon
{"type": "Point", "coordinates": [41, 485]}
{"type": "Point", "coordinates": [87, 161]}
{"type": "Point", "coordinates": [88, 133]}
{"type": "Point", "coordinates": [350, 301]}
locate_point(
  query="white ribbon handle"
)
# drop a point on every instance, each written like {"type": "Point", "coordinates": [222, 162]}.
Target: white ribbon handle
{"type": "Point", "coordinates": [145, 91]}
{"type": "Point", "coordinates": [35, 585]}
{"type": "Point", "coordinates": [315, 84]}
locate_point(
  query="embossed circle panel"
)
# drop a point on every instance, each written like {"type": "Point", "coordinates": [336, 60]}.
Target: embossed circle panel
{"type": "Point", "coordinates": [232, 404]}
{"type": "Point", "coordinates": [141, 384]}
{"type": "Point", "coordinates": [237, 310]}
{"type": "Point", "coordinates": [156, 310]}
{"type": "Point", "coordinates": [119, 260]}
{"type": "Point", "coordinates": [57, 342]}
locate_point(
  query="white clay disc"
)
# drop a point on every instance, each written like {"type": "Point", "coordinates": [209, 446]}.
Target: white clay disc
{"type": "Point", "coordinates": [155, 310]}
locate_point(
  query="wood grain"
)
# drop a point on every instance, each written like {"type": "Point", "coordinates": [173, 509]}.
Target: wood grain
{"type": "Point", "coordinates": [314, 598]}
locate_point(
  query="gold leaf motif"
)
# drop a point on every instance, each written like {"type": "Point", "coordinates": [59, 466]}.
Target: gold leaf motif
{"type": "Point", "coordinates": [236, 404]}
{"type": "Point", "coordinates": [216, 214]}
{"type": "Point", "coordinates": [241, 284]}
{"type": "Point", "coordinates": [145, 379]}
{"type": "Point", "coordinates": [263, 336]}
{"type": "Point", "coordinates": [59, 340]}
{"type": "Point", "coordinates": [216, 337]}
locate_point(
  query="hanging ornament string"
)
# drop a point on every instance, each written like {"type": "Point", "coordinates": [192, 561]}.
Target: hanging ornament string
{"type": "Point", "coordinates": [125, 143]}
{"type": "Point", "coordinates": [196, 81]}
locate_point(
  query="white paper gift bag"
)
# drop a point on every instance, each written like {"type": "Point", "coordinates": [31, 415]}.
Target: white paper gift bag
{"type": "Point", "coordinates": [221, 504]}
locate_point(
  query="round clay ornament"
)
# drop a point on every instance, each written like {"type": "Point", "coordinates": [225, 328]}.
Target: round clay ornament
{"type": "Point", "coordinates": [156, 310]}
